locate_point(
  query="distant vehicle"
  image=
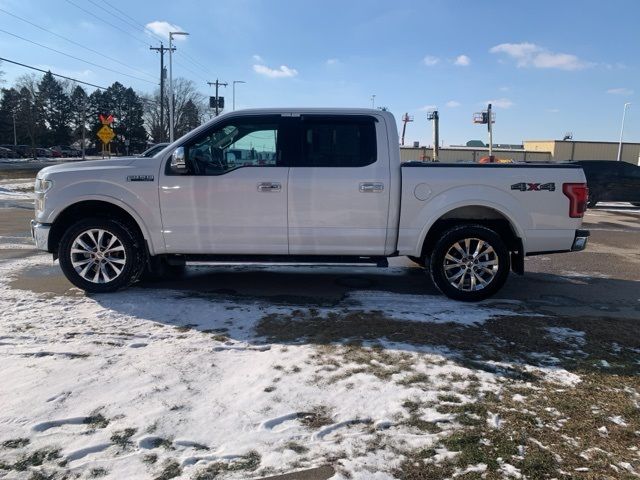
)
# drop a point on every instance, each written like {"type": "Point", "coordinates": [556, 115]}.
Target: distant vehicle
{"type": "Point", "coordinates": [611, 181]}
{"type": "Point", "coordinates": [55, 153]}
{"type": "Point", "coordinates": [24, 151]}
{"type": "Point", "coordinates": [44, 152]}
{"type": "Point", "coordinates": [6, 153]}
{"type": "Point", "coordinates": [66, 151]}
{"type": "Point", "coordinates": [151, 151]}
{"type": "Point", "coordinates": [12, 150]}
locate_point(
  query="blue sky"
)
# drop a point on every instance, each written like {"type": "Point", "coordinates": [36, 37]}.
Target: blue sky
{"type": "Point", "coordinates": [548, 66]}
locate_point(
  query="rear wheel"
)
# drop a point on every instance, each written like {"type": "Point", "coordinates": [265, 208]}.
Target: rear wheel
{"type": "Point", "coordinates": [100, 255]}
{"type": "Point", "coordinates": [469, 263]}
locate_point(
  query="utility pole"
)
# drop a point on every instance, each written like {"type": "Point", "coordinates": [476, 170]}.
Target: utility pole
{"type": "Point", "coordinates": [373, 101]}
{"type": "Point", "coordinates": [84, 121]}
{"type": "Point", "coordinates": [15, 135]}
{"type": "Point", "coordinates": [171, 96]}
{"type": "Point", "coordinates": [405, 119]}
{"type": "Point", "coordinates": [434, 116]}
{"type": "Point", "coordinates": [234, 91]}
{"type": "Point", "coordinates": [490, 128]}
{"type": "Point", "coordinates": [161, 49]}
{"type": "Point", "coordinates": [217, 84]}
{"type": "Point", "coordinates": [624, 114]}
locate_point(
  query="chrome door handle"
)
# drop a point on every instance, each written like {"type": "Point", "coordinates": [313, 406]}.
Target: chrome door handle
{"type": "Point", "coordinates": [371, 187]}
{"type": "Point", "coordinates": [269, 187]}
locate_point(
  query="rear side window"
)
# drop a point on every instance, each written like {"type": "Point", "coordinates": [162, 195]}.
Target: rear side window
{"type": "Point", "coordinates": [338, 142]}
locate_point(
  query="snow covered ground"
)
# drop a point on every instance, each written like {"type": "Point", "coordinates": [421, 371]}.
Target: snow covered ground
{"type": "Point", "coordinates": [185, 379]}
{"type": "Point", "coordinates": [158, 383]}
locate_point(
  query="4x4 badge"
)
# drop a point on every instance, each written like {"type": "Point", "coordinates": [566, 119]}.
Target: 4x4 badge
{"type": "Point", "coordinates": [534, 187]}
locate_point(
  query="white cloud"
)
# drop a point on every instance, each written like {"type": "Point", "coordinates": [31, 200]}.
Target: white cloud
{"type": "Point", "coordinates": [620, 91]}
{"type": "Point", "coordinates": [162, 29]}
{"type": "Point", "coordinates": [462, 61]}
{"type": "Point", "coordinates": [257, 58]}
{"type": "Point", "coordinates": [505, 89]}
{"type": "Point", "coordinates": [427, 108]}
{"type": "Point", "coordinates": [430, 60]}
{"type": "Point", "coordinates": [332, 61]}
{"type": "Point", "coordinates": [500, 103]}
{"type": "Point", "coordinates": [531, 55]}
{"type": "Point", "coordinates": [282, 72]}
{"type": "Point", "coordinates": [452, 104]}
{"type": "Point", "coordinates": [553, 110]}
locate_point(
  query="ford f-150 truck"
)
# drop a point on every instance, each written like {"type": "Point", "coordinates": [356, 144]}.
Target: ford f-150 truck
{"type": "Point", "coordinates": [304, 185]}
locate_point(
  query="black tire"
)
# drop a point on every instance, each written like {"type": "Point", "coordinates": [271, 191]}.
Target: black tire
{"type": "Point", "coordinates": [130, 257]}
{"type": "Point", "coordinates": [592, 202]}
{"type": "Point", "coordinates": [472, 266]}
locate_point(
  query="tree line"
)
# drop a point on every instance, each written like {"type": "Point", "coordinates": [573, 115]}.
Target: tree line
{"type": "Point", "coordinates": [46, 112]}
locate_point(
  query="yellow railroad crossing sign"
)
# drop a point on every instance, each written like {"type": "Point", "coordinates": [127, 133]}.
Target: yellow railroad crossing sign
{"type": "Point", "coordinates": [106, 134]}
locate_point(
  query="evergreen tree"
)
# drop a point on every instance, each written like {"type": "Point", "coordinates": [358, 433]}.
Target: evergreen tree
{"type": "Point", "coordinates": [8, 108]}
{"type": "Point", "coordinates": [55, 106]}
{"type": "Point", "coordinates": [189, 119]}
{"type": "Point", "coordinates": [80, 110]}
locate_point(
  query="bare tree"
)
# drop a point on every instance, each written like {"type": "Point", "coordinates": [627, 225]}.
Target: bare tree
{"type": "Point", "coordinates": [185, 97]}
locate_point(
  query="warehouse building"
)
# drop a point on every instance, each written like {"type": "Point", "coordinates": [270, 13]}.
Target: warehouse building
{"type": "Point", "coordinates": [571, 150]}
{"type": "Point", "coordinates": [533, 151]}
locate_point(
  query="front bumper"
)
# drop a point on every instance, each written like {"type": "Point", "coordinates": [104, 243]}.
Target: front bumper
{"type": "Point", "coordinates": [580, 240]}
{"type": "Point", "coordinates": [40, 235]}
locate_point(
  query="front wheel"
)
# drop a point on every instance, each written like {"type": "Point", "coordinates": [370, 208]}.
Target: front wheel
{"type": "Point", "coordinates": [469, 263]}
{"type": "Point", "coordinates": [100, 255]}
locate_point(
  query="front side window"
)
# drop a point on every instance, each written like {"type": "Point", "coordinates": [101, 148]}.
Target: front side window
{"type": "Point", "coordinates": [338, 142]}
{"type": "Point", "coordinates": [240, 143]}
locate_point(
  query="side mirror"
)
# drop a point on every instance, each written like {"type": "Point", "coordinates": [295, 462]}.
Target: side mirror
{"type": "Point", "coordinates": [178, 161]}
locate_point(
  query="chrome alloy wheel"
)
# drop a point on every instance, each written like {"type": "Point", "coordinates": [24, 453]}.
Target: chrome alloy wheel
{"type": "Point", "coordinates": [470, 264]}
{"type": "Point", "coordinates": [98, 256]}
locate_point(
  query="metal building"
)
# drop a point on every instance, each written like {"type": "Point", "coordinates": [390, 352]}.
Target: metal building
{"type": "Point", "coordinates": [568, 150]}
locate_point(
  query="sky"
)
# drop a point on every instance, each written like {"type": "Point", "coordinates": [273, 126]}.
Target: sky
{"type": "Point", "coordinates": [548, 67]}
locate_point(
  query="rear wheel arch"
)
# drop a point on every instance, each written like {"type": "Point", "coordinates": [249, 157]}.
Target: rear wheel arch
{"type": "Point", "coordinates": [477, 215]}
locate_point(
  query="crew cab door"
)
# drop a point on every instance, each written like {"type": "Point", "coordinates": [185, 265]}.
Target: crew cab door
{"type": "Point", "coordinates": [339, 186]}
{"type": "Point", "coordinates": [233, 197]}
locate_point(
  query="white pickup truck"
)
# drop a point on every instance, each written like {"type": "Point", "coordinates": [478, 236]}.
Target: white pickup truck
{"type": "Point", "coordinates": [300, 186]}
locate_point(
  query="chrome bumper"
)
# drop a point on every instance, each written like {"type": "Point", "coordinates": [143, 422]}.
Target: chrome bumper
{"type": "Point", "coordinates": [580, 240]}
{"type": "Point", "coordinates": [40, 235]}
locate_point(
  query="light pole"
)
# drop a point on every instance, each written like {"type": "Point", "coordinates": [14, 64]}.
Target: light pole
{"type": "Point", "coordinates": [624, 114]}
{"type": "Point", "coordinates": [373, 100]}
{"type": "Point", "coordinates": [171, 34]}
{"type": "Point", "coordinates": [15, 136]}
{"type": "Point", "coordinates": [234, 91]}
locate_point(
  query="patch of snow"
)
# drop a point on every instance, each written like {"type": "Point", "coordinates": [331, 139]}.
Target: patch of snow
{"type": "Point", "coordinates": [518, 398]}
{"type": "Point", "coordinates": [618, 420]}
{"type": "Point", "coordinates": [567, 335]}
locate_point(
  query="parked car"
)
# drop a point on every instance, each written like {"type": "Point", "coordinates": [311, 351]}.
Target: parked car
{"type": "Point", "coordinates": [43, 152]}
{"type": "Point", "coordinates": [611, 181]}
{"type": "Point", "coordinates": [314, 185]}
{"type": "Point", "coordinates": [151, 151]}
{"type": "Point", "coordinates": [12, 153]}
{"type": "Point", "coordinates": [24, 151]}
{"type": "Point", "coordinates": [55, 153]}
{"type": "Point", "coordinates": [5, 153]}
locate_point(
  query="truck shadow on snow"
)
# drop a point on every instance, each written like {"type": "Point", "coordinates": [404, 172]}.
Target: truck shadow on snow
{"type": "Point", "coordinates": [398, 310]}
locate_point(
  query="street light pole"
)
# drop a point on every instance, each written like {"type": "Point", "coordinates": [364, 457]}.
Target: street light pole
{"type": "Point", "coordinates": [624, 114]}
{"type": "Point", "coordinates": [15, 136]}
{"type": "Point", "coordinates": [234, 91]}
{"type": "Point", "coordinates": [171, 113]}
{"type": "Point", "coordinates": [373, 100]}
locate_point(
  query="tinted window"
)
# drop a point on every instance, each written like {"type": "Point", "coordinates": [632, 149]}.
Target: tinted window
{"type": "Point", "coordinates": [247, 142]}
{"type": "Point", "coordinates": [337, 142]}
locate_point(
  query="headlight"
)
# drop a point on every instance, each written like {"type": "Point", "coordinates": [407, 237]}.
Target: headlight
{"type": "Point", "coordinates": [42, 185]}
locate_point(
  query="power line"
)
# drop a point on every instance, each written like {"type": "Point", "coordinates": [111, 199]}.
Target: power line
{"type": "Point", "coordinates": [54, 74]}
{"type": "Point", "coordinates": [74, 42]}
{"type": "Point", "coordinates": [77, 58]}
{"type": "Point", "coordinates": [92, 14]}
{"type": "Point", "coordinates": [146, 29]}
